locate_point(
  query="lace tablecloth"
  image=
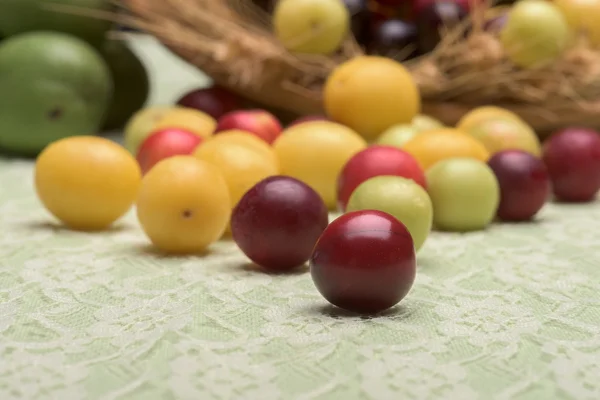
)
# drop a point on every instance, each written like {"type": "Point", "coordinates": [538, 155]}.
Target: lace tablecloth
{"type": "Point", "coordinates": [509, 313]}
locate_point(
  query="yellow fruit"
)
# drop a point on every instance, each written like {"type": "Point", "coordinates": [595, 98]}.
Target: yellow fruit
{"type": "Point", "coordinates": [311, 26]}
{"type": "Point", "coordinates": [535, 33]}
{"type": "Point", "coordinates": [499, 134]}
{"type": "Point", "coordinates": [242, 166]}
{"type": "Point", "coordinates": [246, 139]}
{"type": "Point", "coordinates": [141, 125]}
{"type": "Point", "coordinates": [315, 153]}
{"type": "Point", "coordinates": [479, 114]}
{"type": "Point", "coordinates": [188, 119]}
{"type": "Point", "coordinates": [87, 182]}
{"type": "Point", "coordinates": [582, 16]}
{"type": "Point", "coordinates": [434, 146]}
{"type": "Point", "coordinates": [369, 94]}
{"type": "Point", "coordinates": [422, 122]}
{"type": "Point", "coordinates": [183, 205]}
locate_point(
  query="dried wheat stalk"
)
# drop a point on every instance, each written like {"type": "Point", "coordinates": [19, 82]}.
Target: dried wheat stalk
{"type": "Point", "coordinates": [232, 42]}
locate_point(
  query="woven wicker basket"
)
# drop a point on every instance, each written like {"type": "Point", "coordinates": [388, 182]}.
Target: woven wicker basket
{"type": "Point", "coordinates": [232, 42]}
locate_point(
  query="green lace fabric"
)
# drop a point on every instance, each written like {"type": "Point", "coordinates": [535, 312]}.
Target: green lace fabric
{"type": "Point", "coordinates": [512, 312]}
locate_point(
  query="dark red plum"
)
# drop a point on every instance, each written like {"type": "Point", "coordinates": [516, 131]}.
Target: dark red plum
{"type": "Point", "coordinates": [364, 262]}
{"type": "Point", "coordinates": [277, 223]}
{"type": "Point", "coordinates": [433, 18]}
{"type": "Point", "coordinates": [572, 157]}
{"type": "Point", "coordinates": [395, 39]}
{"type": "Point", "coordinates": [359, 18]}
{"type": "Point", "coordinates": [215, 101]}
{"type": "Point", "coordinates": [524, 184]}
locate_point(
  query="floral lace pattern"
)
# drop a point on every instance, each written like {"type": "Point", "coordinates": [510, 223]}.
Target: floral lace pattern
{"type": "Point", "coordinates": [509, 313]}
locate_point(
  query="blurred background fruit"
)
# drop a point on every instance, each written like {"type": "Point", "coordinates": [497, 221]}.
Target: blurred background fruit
{"type": "Point", "coordinates": [311, 26]}
{"type": "Point", "coordinates": [260, 123]}
{"type": "Point", "coordinates": [479, 114]}
{"type": "Point", "coordinates": [423, 122]}
{"type": "Point", "coordinates": [308, 118]}
{"type": "Point", "coordinates": [20, 16]}
{"type": "Point", "coordinates": [536, 32]}
{"type": "Point", "coordinates": [247, 139]}
{"type": "Point", "coordinates": [395, 39]}
{"type": "Point", "coordinates": [572, 157]}
{"type": "Point", "coordinates": [498, 134]}
{"type": "Point", "coordinates": [524, 184]}
{"type": "Point", "coordinates": [242, 165]}
{"type": "Point", "coordinates": [188, 119]}
{"type": "Point", "coordinates": [369, 94]}
{"type": "Point", "coordinates": [59, 86]}
{"type": "Point", "coordinates": [141, 125]}
{"type": "Point", "coordinates": [433, 18]}
{"type": "Point", "coordinates": [397, 135]}
{"type": "Point", "coordinates": [166, 143]}
{"type": "Point", "coordinates": [433, 146]}
{"type": "Point", "coordinates": [359, 15]}
{"type": "Point", "coordinates": [215, 101]}
{"type": "Point", "coordinates": [582, 16]}
{"type": "Point", "coordinates": [315, 153]}
{"type": "Point", "coordinates": [131, 83]}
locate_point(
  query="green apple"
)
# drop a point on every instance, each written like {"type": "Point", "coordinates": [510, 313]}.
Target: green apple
{"type": "Point", "coordinates": [465, 194]}
{"type": "Point", "coordinates": [59, 86]}
{"type": "Point", "coordinates": [141, 125]}
{"type": "Point", "coordinates": [400, 197]}
{"type": "Point", "coordinates": [131, 82]}
{"type": "Point", "coordinates": [20, 16]}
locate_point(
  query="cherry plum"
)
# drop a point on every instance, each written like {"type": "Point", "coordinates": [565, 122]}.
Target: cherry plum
{"type": "Point", "coordinates": [524, 184]}
{"type": "Point", "coordinates": [277, 222]}
{"type": "Point", "coordinates": [364, 262]}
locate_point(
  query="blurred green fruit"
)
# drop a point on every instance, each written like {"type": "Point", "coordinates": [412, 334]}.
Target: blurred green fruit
{"type": "Point", "coordinates": [465, 194]}
{"type": "Point", "coordinates": [423, 122]}
{"type": "Point", "coordinates": [131, 83]}
{"type": "Point", "coordinates": [403, 198]}
{"type": "Point", "coordinates": [59, 86]}
{"type": "Point", "coordinates": [535, 33]}
{"type": "Point", "coordinates": [19, 16]}
{"type": "Point", "coordinates": [397, 135]}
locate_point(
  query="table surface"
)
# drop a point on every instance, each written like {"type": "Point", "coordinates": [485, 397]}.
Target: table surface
{"type": "Point", "coordinates": [507, 313]}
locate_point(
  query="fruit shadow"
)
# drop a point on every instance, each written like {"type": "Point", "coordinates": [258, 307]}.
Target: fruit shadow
{"type": "Point", "coordinates": [328, 310]}
{"type": "Point", "coordinates": [147, 249]}
{"type": "Point", "coordinates": [254, 268]}
{"type": "Point", "coordinates": [57, 227]}
{"type": "Point", "coordinates": [13, 156]}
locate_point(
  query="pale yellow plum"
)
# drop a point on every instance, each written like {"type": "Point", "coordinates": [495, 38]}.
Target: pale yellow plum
{"type": "Point", "coordinates": [535, 33]}
{"type": "Point", "coordinates": [311, 26]}
{"type": "Point", "coordinates": [141, 125]}
{"type": "Point", "coordinates": [422, 122]}
{"type": "Point", "coordinates": [582, 16]}
{"type": "Point", "coordinates": [397, 135]}
{"type": "Point", "coordinates": [506, 134]}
